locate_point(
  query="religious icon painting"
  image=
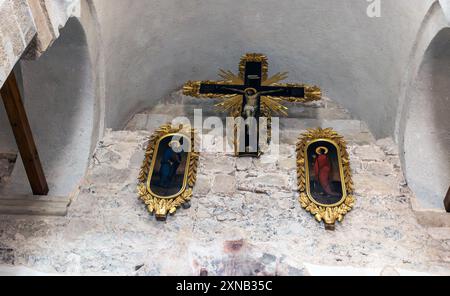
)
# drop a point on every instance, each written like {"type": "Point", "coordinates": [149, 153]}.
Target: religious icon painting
{"type": "Point", "coordinates": [324, 176]}
{"type": "Point", "coordinates": [169, 170]}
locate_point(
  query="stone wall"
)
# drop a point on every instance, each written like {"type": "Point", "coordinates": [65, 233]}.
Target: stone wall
{"type": "Point", "coordinates": [17, 29]}
{"type": "Point", "coordinates": [366, 64]}
{"type": "Point", "coordinates": [25, 22]}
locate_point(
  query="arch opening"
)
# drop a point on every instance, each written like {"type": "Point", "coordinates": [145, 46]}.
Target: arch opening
{"type": "Point", "coordinates": [427, 128]}
{"type": "Point", "coordinates": [59, 96]}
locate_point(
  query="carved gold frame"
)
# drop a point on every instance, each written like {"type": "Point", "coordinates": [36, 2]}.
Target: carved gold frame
{"type": "Point", "coordinates": [329, 214]}
{"type": "Point", "coordinates": [159, 205]}
{"type": "Point", "coordinates": [254, 57]}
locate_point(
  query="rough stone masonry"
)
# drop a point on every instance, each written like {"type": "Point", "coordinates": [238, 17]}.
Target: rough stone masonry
{"type": "Point", "coordinates": [30, 22]}
{"type": "Point", "coordinates": [245, 220]}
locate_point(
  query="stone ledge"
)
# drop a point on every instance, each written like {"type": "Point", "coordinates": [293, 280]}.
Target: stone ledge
{"type": "Point", "coordinates": [430, 217]}
{"type": "Point", "coordinates": [34, 206]}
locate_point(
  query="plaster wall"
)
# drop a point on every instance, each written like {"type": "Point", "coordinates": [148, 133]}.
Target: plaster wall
{"type": "Point", "coordinates": [156, 46]}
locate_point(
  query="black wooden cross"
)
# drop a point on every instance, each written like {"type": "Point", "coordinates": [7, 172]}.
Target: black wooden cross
{"type": "Point", "coordinates": [258, 95]}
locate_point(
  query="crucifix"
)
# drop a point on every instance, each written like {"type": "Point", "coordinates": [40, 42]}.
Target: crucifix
{"type": "Point", "coordinates": [251, 95]}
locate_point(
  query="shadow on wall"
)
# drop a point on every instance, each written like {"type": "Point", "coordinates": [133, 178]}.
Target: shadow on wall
{"type": "Point", "coordinates": [59, 97]}
{"type": "Point", "coordinates": [427, 133]}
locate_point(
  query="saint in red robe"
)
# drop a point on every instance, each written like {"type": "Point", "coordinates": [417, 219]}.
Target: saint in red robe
{"type": "Point", "coordinates": [322, 170]}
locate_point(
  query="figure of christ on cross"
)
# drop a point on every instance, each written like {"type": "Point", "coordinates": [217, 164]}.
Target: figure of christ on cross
{"type": "Point", "coordinates": [258, 95]}
{"type": "Point", "coordinates": [250, 114]}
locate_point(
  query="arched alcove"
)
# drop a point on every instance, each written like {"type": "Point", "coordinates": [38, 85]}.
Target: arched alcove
{"type": "Point", "coordinates": [158, 45]}
{"type": "Point", "coordinates": [427, 125]}
{"type": "Point", "coordinates": [59, 96]}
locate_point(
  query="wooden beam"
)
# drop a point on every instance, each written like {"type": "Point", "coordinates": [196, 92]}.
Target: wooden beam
{"type": "Point", "coordinates": [24, 137]}
{"type": "Point", "coordinates": [447, 201]}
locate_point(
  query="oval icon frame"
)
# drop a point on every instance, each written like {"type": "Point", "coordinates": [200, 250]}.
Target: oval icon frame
{"type": "Point", "coordinates": [328, 151]}
{"type": "Point", "coordinates": [158, 173]}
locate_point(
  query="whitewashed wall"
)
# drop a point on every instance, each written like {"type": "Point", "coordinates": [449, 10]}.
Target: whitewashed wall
{"type": "Point", "coordinates": [152, 47]}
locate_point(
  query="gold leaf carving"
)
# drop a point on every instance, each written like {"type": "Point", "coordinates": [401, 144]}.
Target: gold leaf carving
{"type": "Point", "coordinates": [230, 77]}
{"type": "Point", "coordinates": [161, 207]}
{"type": "Point", "coordinates": [269, 105]}
{"type": "Point", "coordinates": [276, 78]}
{"type": "Point", "coordinates": [328, 214]}
{"type": "Point", "coordinates": [254, 57]}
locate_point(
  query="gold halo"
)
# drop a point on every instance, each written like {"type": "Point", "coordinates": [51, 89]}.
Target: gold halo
{"type": "Point", "coordinates": [322, 148]}
{"type": "Point", "coordinates": [251, 88]}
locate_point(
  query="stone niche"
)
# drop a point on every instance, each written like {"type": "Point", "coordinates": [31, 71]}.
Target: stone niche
{"type": "Point", "coordinates": [58, 91]}
{"type": "Point", "coordinates": [427, 133]}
